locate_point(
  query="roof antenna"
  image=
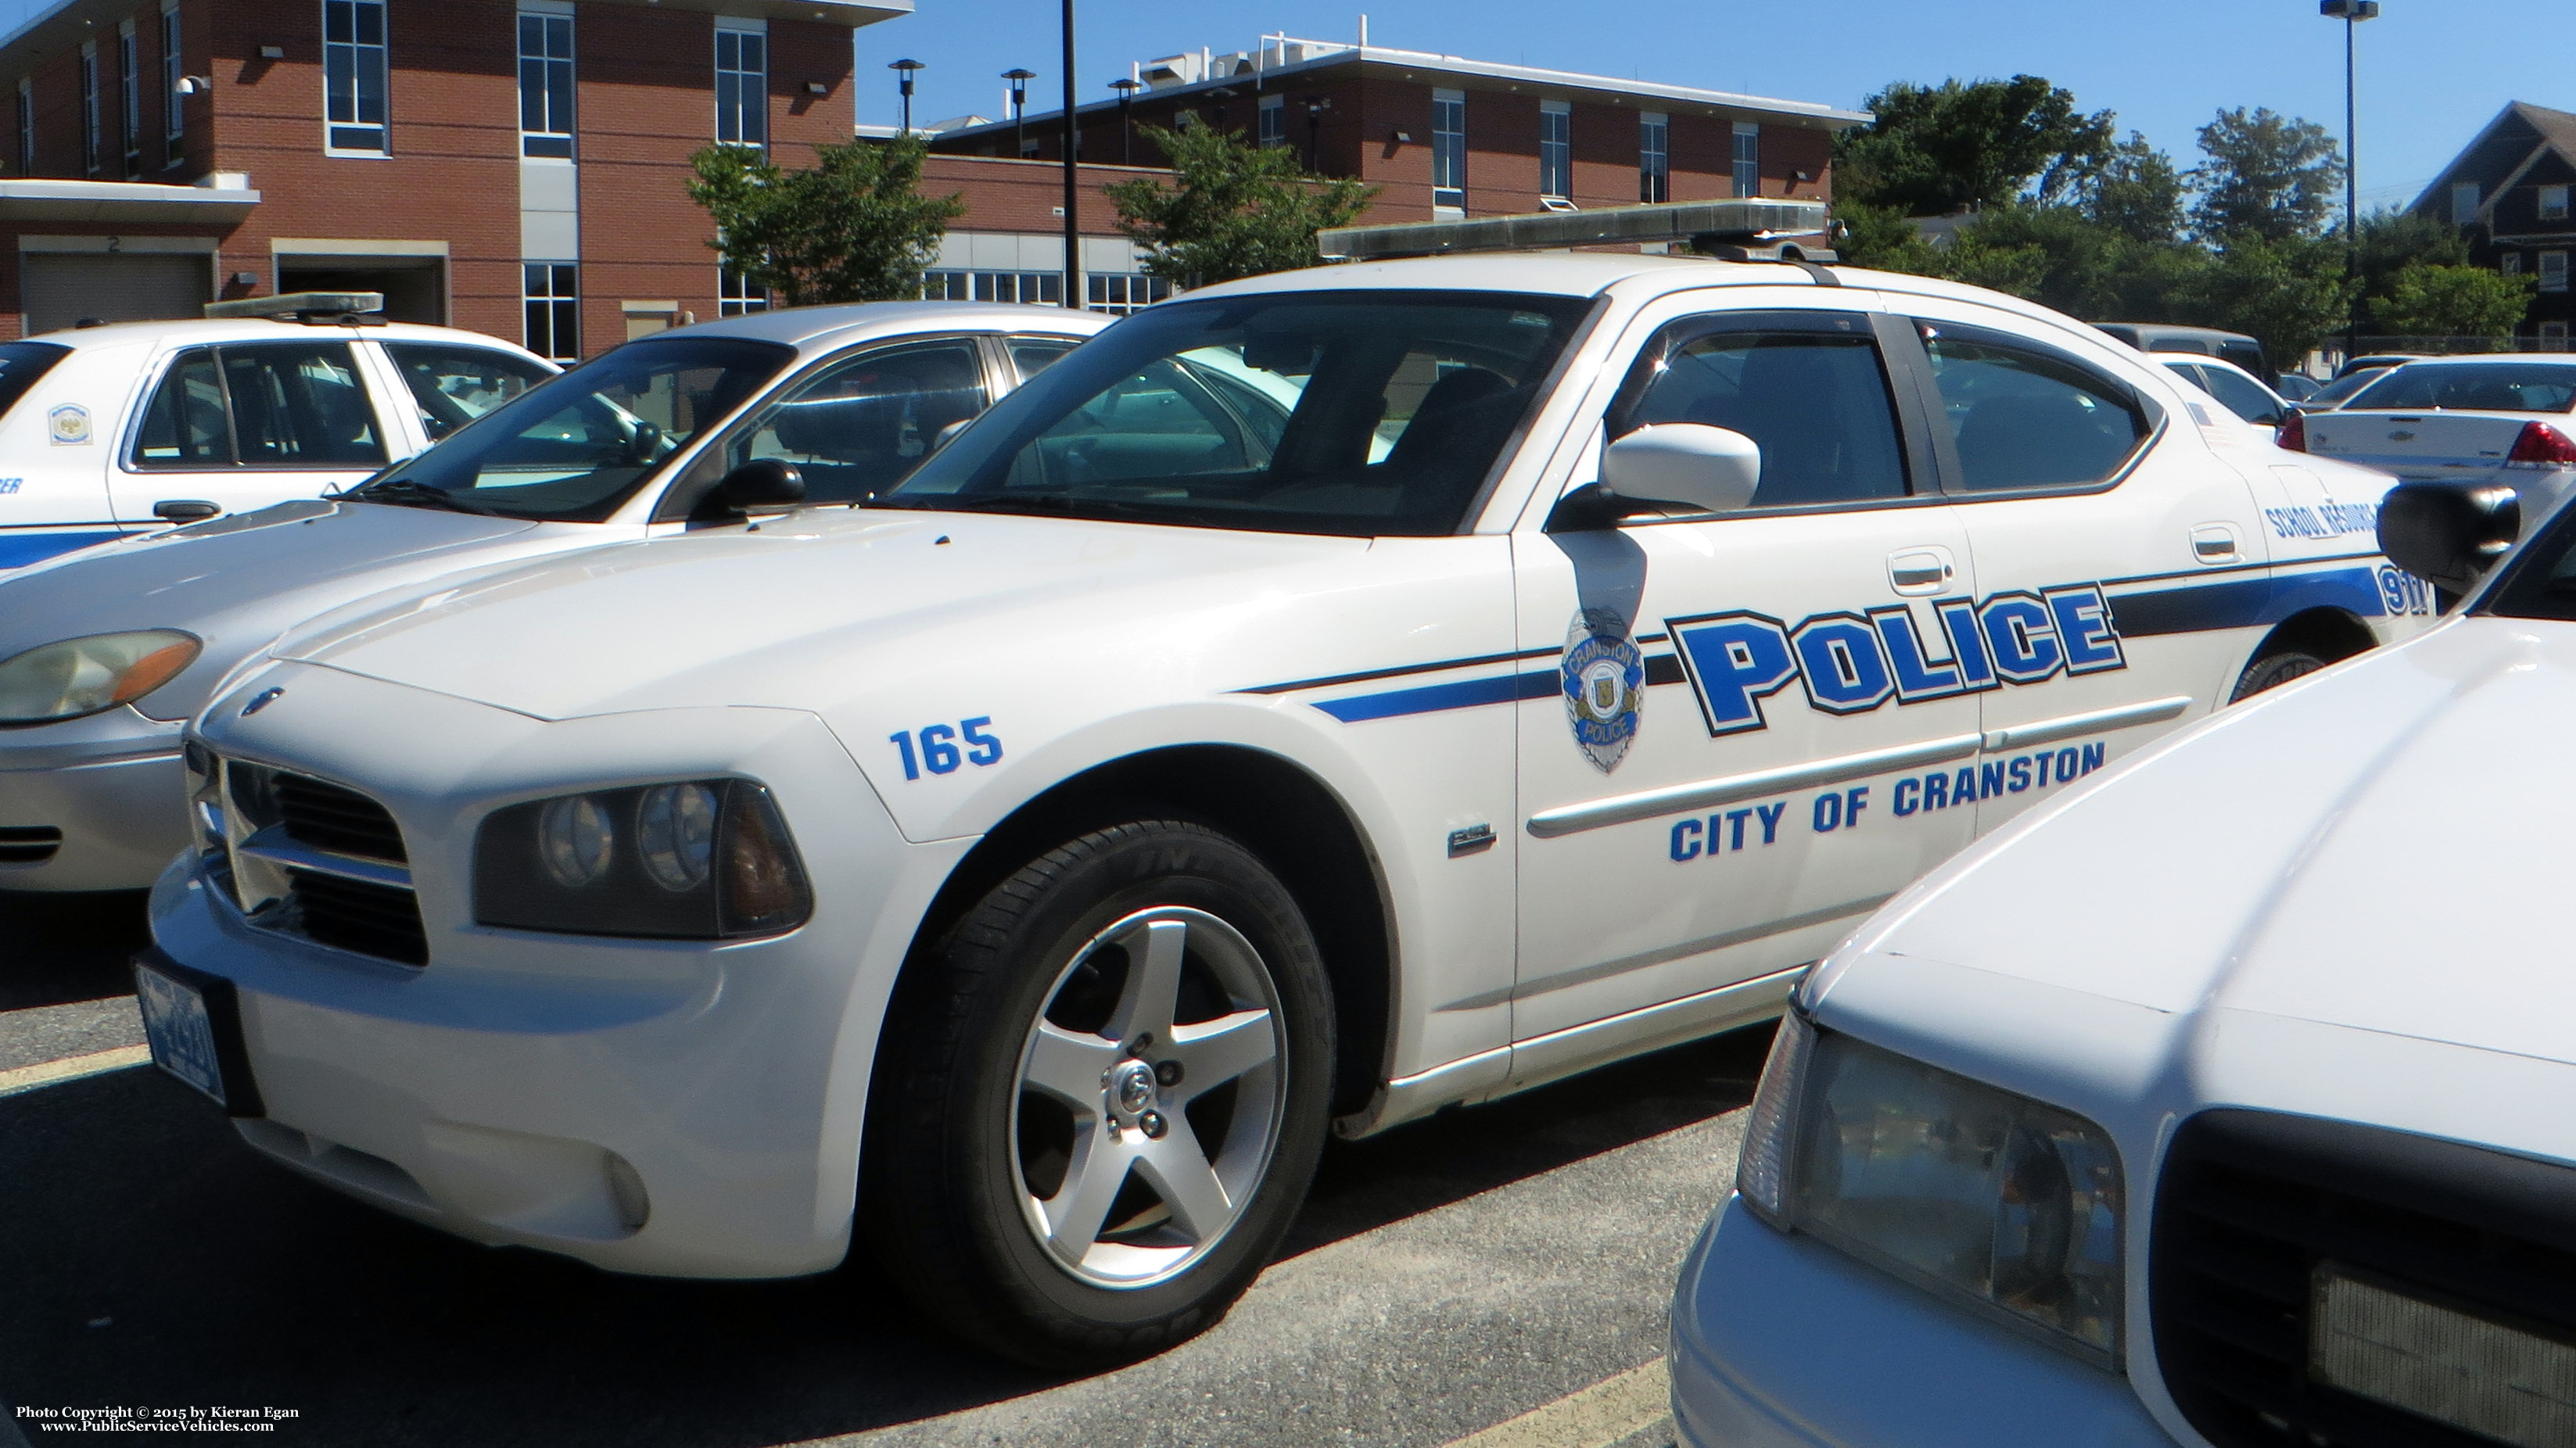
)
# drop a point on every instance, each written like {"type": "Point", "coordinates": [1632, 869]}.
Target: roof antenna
{"type": "Point", "coordinates": [1363, 32]}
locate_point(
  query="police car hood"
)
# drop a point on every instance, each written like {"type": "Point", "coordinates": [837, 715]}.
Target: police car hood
{"type": "Point", "coordinates": [809, 609]}
{"type": "Point", "coordinates": [2383, 846]}
{"type": "Point", "coordinates": [236, 582]}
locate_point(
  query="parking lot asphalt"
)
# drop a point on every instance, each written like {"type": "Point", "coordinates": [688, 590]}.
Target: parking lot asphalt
{"type": "Point", "coordinates": [1444, 1278]}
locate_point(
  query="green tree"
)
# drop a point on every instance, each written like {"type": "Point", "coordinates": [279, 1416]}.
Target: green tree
{"type": "Point", "coordinates": [1937, 149]}
{"type": "Point", "coordinates": [1882, 237]}
{"type": "Point", "coordinates": [2137, 192]}
{"type": "Point", "coordinates": [2393, 240]}
{"type": "Point", "coordinates": [853, 229]}
{"type": "Point", "coordinates": [2289, 292]}
{"type": "Point", "coordinates": [2267, 176]}
{"type": "Point", "coordinates": [1234, 210]}
{"type": "Point", "coordinates": [2062, 257]}
{"type": "Point", "coordinates": [2452, 301]}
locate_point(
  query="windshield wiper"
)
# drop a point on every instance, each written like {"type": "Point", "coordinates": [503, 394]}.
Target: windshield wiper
{"type": "Point", "coordinates": [407, 493]}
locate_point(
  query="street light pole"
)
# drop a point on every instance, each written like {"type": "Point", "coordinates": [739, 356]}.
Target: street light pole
{"type": "Point", "coordinates": [1126, 87]}
{"type": "Point", "coordinates": [1019, 77]}
{"type": "Point", "coordinates": [903, 69]}
{"type": "Point", "coordinates": [2351, 13]}
{"type": "Point", "coordinates": [1072, 176]}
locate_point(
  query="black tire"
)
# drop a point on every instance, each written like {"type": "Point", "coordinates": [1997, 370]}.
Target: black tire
{"type": "Point", "coordinates": [2274, 669]}
{"type": "Point", "coordinates": [961, 1139]}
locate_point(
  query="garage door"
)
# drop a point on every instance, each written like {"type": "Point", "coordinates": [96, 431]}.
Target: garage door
{"type": "Point", "coordinates": [60, 288]}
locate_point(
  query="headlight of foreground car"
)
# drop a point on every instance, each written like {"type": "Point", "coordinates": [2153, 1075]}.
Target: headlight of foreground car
{"type": "Point", "coordinates": [1979, 1195]}
{"type": "Point", "coordinates": [91, 675]}
{"type": "Point", "coordinates": [699, 860]}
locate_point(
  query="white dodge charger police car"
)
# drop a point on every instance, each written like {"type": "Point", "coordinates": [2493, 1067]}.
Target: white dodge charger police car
{"type": "Point", "coordinates": [104, 653]}
{"type": "Point", "coordinates": [1019, 876]}
{"type": "Point", "coordinates": [128, 427]}
{"type": "Point", "coordinates": [2223, 1104]}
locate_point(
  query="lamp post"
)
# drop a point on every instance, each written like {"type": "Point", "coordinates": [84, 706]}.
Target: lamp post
{"type": "Point", "coordinates": [1315, 106]}
{"type": "Point", "coordinates": [1126, 86]}
{"type": "Point", "coordinates": [1220, 96]}
{"type": "Point", "coordinates": [1072, 176]}
{"type": "Point", "coordinates": [1019, 79]}
{"type": "Point", "coordinates": [904, 69]}
{"type": "Point", "coordinates": [2351, 13]}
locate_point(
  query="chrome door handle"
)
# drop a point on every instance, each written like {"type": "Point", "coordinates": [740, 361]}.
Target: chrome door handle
{"type": "Point", "coordinates": [1919, 570]}
{"type": "Point", "coordinates": [2214, 543]}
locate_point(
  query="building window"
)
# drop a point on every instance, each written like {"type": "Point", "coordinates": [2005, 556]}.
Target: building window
{"type": "Point", "coordinates": [173, 66]}
{"type": "Point", "coordinates": [1654, 166]}
{"type": "Point", "coordinates": [2553, 271]}
{"type": "Point", "coordinates": [552, 292]}
{"type": "Point", "coordinates": [89, 107]}
{"type": "Point", "coordinates": [1555, 149]}
{"type": "Point", "coordinates": [735, 296]}
{"type": "Point", "coordinates": [1274, 121]}
{"type": "Point", "coordinates": [26, 126]}
{"type": "Point", "coordinates": [2464, 202]}
{"type": "Point", "coordinates": [354, 75]}
{"type": "Point", "coordinates": [742, 85]}
{"type": "Point", "coordinates": [2510, 263]}
{"type": "Point", "coordinates": [2553, 336]}
{"type": "Point", "coordinates": [1038, 288]}
{"type": "Point", "coordinates": [1748, 159]}
{"type": "Point", "coordinates": [2553, 203]}
{"type": "Point", "coordinates": [129, 97]}
{"type": "Point", "coordinates": [1449, 150]}
{"type": "Point", "coordinates": [545, 85]}
{"type": "Point", "coordinates": [1119, 293]}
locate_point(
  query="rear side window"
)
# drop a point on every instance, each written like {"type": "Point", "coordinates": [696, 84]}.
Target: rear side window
{"type": "Point", "coordinates": [2024, 416]}
{"type": "Point", "coordinates": [1808, 388]}
{"type": "Point", "coordinates": [2242, 397]}
{"type": "Point", "coordinates": [21, 363]}
{"type": "Point", "coordinates": [452, 385]}
{"type": "Point", "coordinates": [1033, 355]}
{"type": "Point", "coordinates": [2473, 387]}
{"type": "Point", "coordinates": [261, 405]}
{"type": "Point", "coordinates": [863, 424]}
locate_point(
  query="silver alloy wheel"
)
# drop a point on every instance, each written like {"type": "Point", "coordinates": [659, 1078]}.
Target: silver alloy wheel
{"type": "Point", "coordinates": [1172, 1122]}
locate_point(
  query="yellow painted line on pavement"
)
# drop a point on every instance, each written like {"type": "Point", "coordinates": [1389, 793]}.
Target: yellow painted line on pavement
{"type": "Point", "coordinates": [72, 1068]}
{"type": "Point", "coordinates": [1598, 1416]}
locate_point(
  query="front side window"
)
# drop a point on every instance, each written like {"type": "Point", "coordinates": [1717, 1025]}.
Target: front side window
{"type": "Point", "coordinates": [1359, 413]}
{"type": "Point", "coordinates": [260, 405]}
{"type": "Point", "coordinates": [21, 363]}
{"type": "Point", "coordinates": [1748, 158]}
{"type": "Point", "coordinates": [354, 75]}
{"type": "Point", "coordinates": [129, 96]}
{"type": "Point", "coordinates": [862, 425]}
{"type": "Point", "coordinates": [454, 385]}
{"type": "Point", "coordinates": [742, 86]}
{"type": "Point", "coordinates": [1555, 149]}
{"type": "Point", "coordinates": [551, 296]}
{"type": "Point", "coordinates": [2472, 387]}
{"type": "Point", "coordinates": [173, 67]}
{"type": "Point", "coordinates": [2025, 417]}
{"type": "Point", "coordinates": [1654, 163]}
{"type": "Point", "coordinates": [574, 447]}
{"type": "Point", "coordinates": [1808, 388]}
{"type": "Point", "coordinates": [1449, 149]}
{"type": "Point", "coordinates": [545, 85]}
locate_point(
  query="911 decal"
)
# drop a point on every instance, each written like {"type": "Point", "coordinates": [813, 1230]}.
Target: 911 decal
{"type": "Point", "coordinates": [1851, 663]}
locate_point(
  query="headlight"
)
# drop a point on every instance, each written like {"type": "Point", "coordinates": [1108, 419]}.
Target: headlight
{"type": "Point", "coordinates": [87, 676]}
{"type": "Point", "coordinates": [1980, 1195]}
{"type": "Point", "coordinates": [699, 860]}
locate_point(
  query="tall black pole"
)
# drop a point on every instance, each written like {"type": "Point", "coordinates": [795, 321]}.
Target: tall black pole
{"type": "Point", "coordinates": [1072, 177]}
{"type": "Point", "coordinates": [2351, 201]}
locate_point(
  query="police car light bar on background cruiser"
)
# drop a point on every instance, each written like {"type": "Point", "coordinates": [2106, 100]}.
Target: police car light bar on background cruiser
{"type": "Point", "coordinates": [332, 305]}
{"type": "Point", "coordinates": [1749, 230]}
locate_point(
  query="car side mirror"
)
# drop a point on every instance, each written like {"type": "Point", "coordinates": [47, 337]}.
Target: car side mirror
{"type": "Point", "coordinates": [947, 434]}
{"type": "Point", "coordinates": [2448, 535]}
{"type": "Point", "coordinates": [184, 510]}
{"type": "Point", "coordinates": [1714, 469]}
{"type": "Point", "coordinates": [759, 484]}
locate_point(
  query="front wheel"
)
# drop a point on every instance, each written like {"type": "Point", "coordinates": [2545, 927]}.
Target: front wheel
{"type": "Point", "coordinates": [1100, 1101]}
{"type": "Point", "coordinates": [2273, 670]}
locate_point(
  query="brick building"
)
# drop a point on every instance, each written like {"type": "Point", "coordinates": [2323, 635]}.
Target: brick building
{"type": "Point", "coordinates": [1446, 136]}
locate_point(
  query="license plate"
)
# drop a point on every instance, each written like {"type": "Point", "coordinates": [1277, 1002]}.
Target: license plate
{"type": "Point", "coordinates": [181, 1033]}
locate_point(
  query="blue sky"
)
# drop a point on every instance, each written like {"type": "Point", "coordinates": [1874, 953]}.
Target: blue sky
{"type": "Point", "coordinates": [2432, 71]}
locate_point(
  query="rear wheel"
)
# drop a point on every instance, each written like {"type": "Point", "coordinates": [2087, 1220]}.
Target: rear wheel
{"type": "Point", "coordinates": [1101, 1100]}
{"type": "Point", "coordinates": [2273, 670]}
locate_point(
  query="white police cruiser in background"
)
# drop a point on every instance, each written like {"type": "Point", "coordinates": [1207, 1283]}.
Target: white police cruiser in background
{"type": "Point", "coordinates": [2224, 1104]}
{"type": "Point", "coordinates": [105, 652]}
{"type": "Point", "coordinates": [136, 425]}
{"type": "Point", "coordinates": [1161, 773]}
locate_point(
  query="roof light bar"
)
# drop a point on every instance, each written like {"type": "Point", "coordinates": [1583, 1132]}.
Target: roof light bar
{"type": "Point", "coordinates": [1739, 230]}
{"type": "Point", "coordinates": [304, 306]}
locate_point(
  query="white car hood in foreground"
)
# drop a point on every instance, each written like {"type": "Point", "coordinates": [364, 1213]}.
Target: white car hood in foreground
{"type": "Point", "coordinates": [815, 607]}
{"type": "Point", "coordinates": [2380, 848]}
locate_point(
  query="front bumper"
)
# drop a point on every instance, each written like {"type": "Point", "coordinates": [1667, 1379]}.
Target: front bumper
{"type": "Point", "coordinates": [1782, 1342]}
{"type": "Point", "coordinates": [114, 788]}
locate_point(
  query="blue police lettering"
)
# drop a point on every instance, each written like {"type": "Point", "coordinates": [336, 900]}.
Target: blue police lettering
{"type": "Point", "coordinates": [1735, 661]}
{"type": "Point", "coordinates": [1906, 798]}
{"type": "Point", "coordinates": [1963, 790]}
{"type": "Point", "coordinates": [1841, 661]}
{"type": "Point", "coordinates": [1918, 675]}
{"type": "Point", "coordinates": [1828, 813]}
{"type": "Point", "coordinates": [1724, 833]}
{"type": "Point", "coordinates": [2020, 776]}
{"type": "Point", "coordinates": [1987, 779]}
{"type": "Point", "coordinates": [1854, 801]}
{"type": "Point", "coordinates": [1770, 817]}
{"type": "Point", "coordinates": [2024, 640]}
{"type": "Point", "coordinates": [1686, 841]}
{"type": "Point", "coordinates": [1936, 791]}
{"type": "Point", "coordinates": [1735, 819]}
{"type": "Point", "coordinates": [2083, 619]}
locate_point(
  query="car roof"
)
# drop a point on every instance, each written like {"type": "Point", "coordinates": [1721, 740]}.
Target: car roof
{"type": "Point", "coordinates": [837, 323]}
{"type": "Point", "coordinates": [2203, 359]}
{"type": "Point", "coordinates": [258, 329]}
{"type": "Point", "coordinates": [2468, 358]}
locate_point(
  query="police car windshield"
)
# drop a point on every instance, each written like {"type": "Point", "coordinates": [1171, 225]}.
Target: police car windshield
{"type": "Point", "coordinates": [574, 447]}
{"type": "Point", "coordinates": [2472, 387]}
{"type": "Point", "coordinates": [1354, 412]}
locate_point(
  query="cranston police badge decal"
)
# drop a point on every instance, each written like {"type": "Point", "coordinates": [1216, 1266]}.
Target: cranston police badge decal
{"type": "Point", "coordinates": [1604, 679]}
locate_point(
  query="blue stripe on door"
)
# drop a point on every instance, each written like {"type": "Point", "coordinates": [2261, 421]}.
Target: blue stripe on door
{"type": "Point", "coordinates": [17, 550]}
{"type": "Point", "coordinates": [1433, 698]}
{"type": "Point", "coordinates": [2245, 602]}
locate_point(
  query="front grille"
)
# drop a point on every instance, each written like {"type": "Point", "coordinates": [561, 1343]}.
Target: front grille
{"type": "Point", "coordinates": [2250, 1203]}
{"type": "Point", "coordinates": [328, 817]}
{"type": "Point", "coordinates": [378, 920]}
{"type": "Point", "coordinates": [28, 844]}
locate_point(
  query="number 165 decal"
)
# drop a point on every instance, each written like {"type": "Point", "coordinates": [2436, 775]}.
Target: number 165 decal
{"type": "Point", "coordinates": [938, 751]}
